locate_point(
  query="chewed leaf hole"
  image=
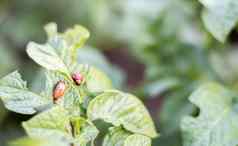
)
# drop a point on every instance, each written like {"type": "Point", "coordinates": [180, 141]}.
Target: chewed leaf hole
{"type": "Point", "coordinates": [196, 112]}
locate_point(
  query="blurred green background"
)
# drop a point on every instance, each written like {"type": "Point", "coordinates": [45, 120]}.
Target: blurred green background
{"type": "Point", "coordinates": [156, 49]}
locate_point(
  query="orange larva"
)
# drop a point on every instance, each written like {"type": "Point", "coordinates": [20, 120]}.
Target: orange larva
{"type": "Point", "coordinates": [59, 90]}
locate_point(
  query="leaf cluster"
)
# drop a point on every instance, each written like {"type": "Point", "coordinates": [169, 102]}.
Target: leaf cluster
{"type": "Point", "coordinates": [71, 119]}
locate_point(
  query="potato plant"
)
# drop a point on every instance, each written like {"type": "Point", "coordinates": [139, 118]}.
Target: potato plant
{"type": "Point", "coordinates": [75, 97]}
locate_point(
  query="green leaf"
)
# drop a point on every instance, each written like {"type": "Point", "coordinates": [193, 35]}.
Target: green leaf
{"type": "Point", "coordinates": [49, 124]}
{"type": "Point", "coordinates": [57, 123]}
{"type": "Point", "coordinates": [120, 137]}
{"type": "Point", "coordinates": [60, 51]}
{"type": "Point", "coordinates": [220, 17]}
{"type": "Point", "coordinates": [76, 37]}
{"type": "Point", "coordinates": [45, 56]}
{"type": "Point", "coordinates": [96, 81]}
{"type": "Point", "coordinates": [122, 109]}
{"type": "Point", "coordinates": [51, 29]}
{"type": "Point", "coordinates": [115, 137]}
{"type": "Point", "coordinates": [216, 124]}
{"type": "Point", "coordinates": [137, 140]}
{"type": "Point", "coordinates": [61, 48]}
{"type": "Point", "coordinates": [26, 141]}
{"type": "Point", "coordinates": [67, 43]}
{"type": "Point", "coordinates": [13, 80]}
{"type": "Point", "coordinates": [17, 98]}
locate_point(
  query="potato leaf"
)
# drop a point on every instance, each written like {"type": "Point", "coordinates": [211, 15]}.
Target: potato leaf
{"type": "Point", "coordinates": [56, 123]}
{"type": "Point", "coordinates": [46, 56]}
{"type": "Point", "coordinates": [16, 97]}
{"type": "Point", "coordinates": [120, 137]}
{"type": "Point", "coordinates": [67, 43]}
{"type": "Point", "coordinates": [49, 124]}
{"type": "Point", "coordinates": [76, 37]}
{"type": "Point", "coordinates": [115, 137]}
{"type": "Point", "coordinates": [137, 140]}
{"type": "Point", "coordinates": [220, 17]}
{"type": "Point", "coordinates": [26, 141]}
{"type": "Point", "coordinates": [217, 121]}
{"type": "Point", "coordinates": [51, 30]}
{"type": "Point", "coordinates": [60, 51]}
{"type": "Point", "coordinates": [122, 109]}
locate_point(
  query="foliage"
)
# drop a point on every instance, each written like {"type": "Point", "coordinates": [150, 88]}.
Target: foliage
{"type": "Point", "coordinates": [215, 124]}
{"type": "Point", "coordinates": [69, 118]}
{"type": "Point", "coordinates": [181, 56]}
{"type": "Point", "coordinates": [169, 37]}
{"type": "Point", "coordinates": [220, 17]}
{"type": "Point", "coordinates": [7, 63]}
